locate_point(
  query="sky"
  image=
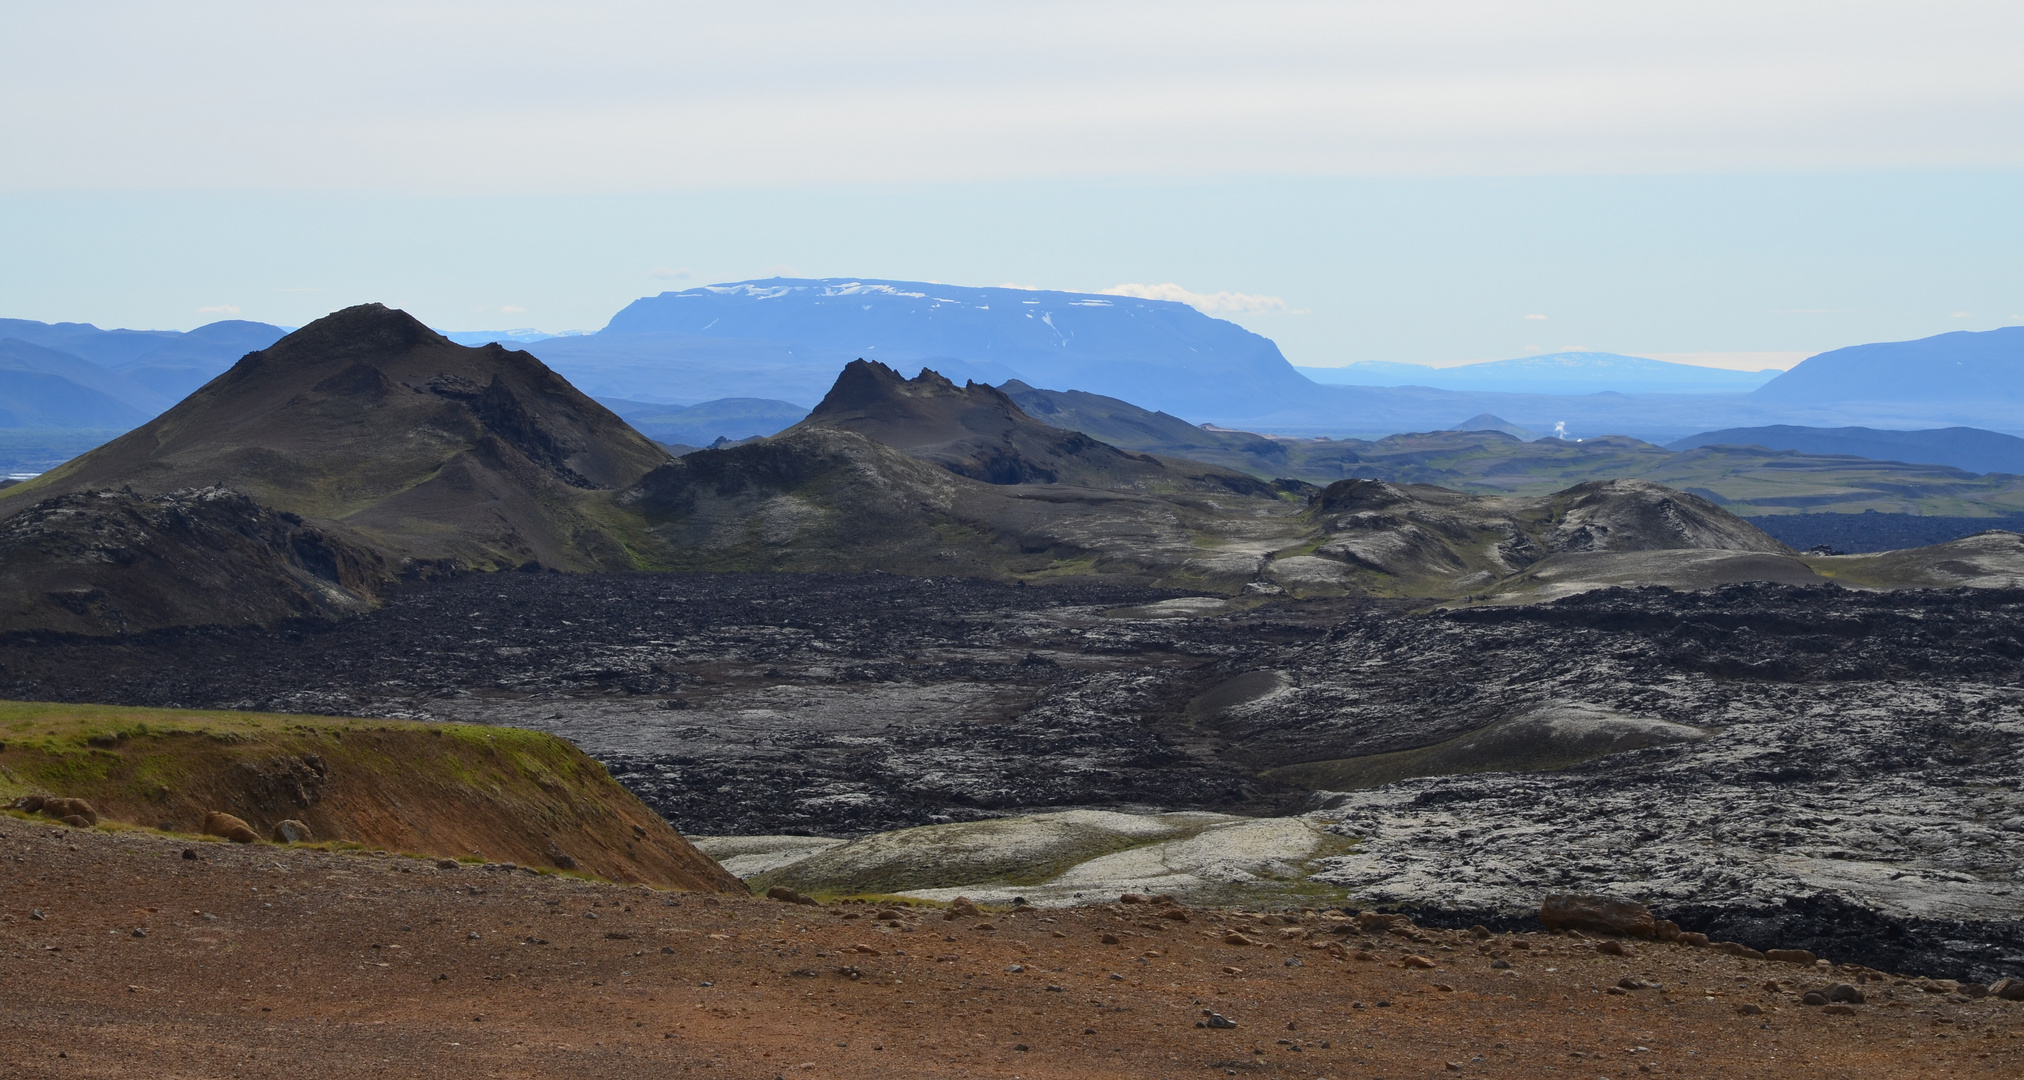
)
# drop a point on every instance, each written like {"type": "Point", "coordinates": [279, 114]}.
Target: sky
{"type": "Point", "coordinates": [1739, 184]}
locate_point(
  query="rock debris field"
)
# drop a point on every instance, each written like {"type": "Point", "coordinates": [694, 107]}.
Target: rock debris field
{"type": "Point", "coordinates": [1796, 766]}
{"type": "Point", "coordinates": [122, 956]}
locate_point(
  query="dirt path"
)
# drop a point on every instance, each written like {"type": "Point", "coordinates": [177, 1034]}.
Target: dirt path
{"type": "Point", "coordinates": [262, 961]}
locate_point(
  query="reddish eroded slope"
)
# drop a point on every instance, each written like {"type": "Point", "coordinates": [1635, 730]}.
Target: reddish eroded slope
{"type": "Point", "coordinates": [441, 790]}
{"type": "Point", "coordinates": [279, 962]}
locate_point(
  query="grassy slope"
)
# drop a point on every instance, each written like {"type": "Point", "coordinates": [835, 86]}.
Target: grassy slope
{"type": "Point", "coordinates": [450, 790]}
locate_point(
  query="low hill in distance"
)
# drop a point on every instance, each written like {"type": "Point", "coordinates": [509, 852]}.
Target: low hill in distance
{"type": "Point", "coordinates": [1970, 449]}
{"type": "Point", "coordinates": [1550, 373]}
{"type": "Point", "coordinates": [1749, 480]}
{"type": "Point", "coordinates": [705, 422]}
{"type": "Point", "coordinates": [446, 790]}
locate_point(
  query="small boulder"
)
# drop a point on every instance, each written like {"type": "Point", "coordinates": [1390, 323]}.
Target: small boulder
{"type": "Point", "coordinates": [1217, 1020]}
{"type": "Point", "coordinates": [788, 896]}
{"type": "Point", "coordinates": [1377, 921]}
{"type": "Point", "coordinates": [1735, 949]}
{"type": "Point", "coordinates": [1134, 898]}
{"type": "Point", "coordinates": [1610, 947]}
{"type": "Point", "coordinates": [1601, 914]}
{"type": "Point", "coordinates": [1689, 938]}
{"type": "Point", "coordinates": [2007, 989]}
{"type": "Point", "coordinates": [291, 831]}
{"type": "Point", "coordinates": [28, 804]}
{"type": "Point", "coordinates": [222, 824]}
{"type": "Point", "coordinates": [1417, 962]}
{"type": "Point", "coordinates": [1843, 993]}
{"type": "Point", "coordinates": [1235, 938]}
{"type": "Point", "coordinates": [1790, 956]}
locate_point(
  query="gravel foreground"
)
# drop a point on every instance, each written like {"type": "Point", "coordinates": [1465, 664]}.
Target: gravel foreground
{"type": "Point", "coordinates": [120, 956]}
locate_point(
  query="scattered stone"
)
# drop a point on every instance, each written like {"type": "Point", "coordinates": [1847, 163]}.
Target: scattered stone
{"type": "Point", "coordinates": [189, 853]}
{"type": "Point", "coordinates": [1500, 964]}
{"type": "Point", "coordinates": [1178, 914]}
{"type": "Point", "coordinates": [1748, 1009]}
{"type": "Point", "coordinates": [1217, 1020]}
{"type": "Point", "coordinates": [1374, 922]}
{"type": "Point", "coordinates": [1602, 914]}
{"type": "Point", "coordinates": [865, 949]}
{"type": "Point", "coordinates": [1415, 961]}
{"type": "Point", "coordinates": [1235, 938]}
{"type": "Point", "coordinates": [1610, 947]}
{"type": "Point", "coordinates": [1839, 1010]}
{"type": "Point", "coordinates": [291, 831]}
{"type": "Point", "coordinates": [1109, 939]}
{"type": "Point", "coordinates": [139, 932]}
{"type": "Point", "coordinates": [446, 864]}
{"type": "Point", "coordinates": [1014, 969]}
{"type": "Point", "coordinates": [221, 824]}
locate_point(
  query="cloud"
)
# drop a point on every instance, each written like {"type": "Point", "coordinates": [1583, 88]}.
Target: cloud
{"type": "Point", "coordinates": [1536, 318]}
{"type": "Point", "coordinates": [671, 273]}
{"type": "Point", "coordinates": [219, 309]}
{"type": "Point", "coordinates": [1958, 315]}
{"type": "Point", "coordinates": [302, 290]}
{"type": "Point", "coordinates": [1219, 303]}
{"type": "Point", "coordinates": [512, 309]}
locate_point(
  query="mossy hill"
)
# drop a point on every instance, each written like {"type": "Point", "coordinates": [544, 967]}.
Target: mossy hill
{"type": "Point", "coordinates": [447, 790]}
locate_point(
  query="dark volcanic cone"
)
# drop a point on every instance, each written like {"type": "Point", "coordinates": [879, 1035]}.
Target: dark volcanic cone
{"type": "Point", "coordinates": [979, 432]}
{"type": "Point", "coordinates": [361, 447]}
{"type": "Point", "coordinates": [431, 450]}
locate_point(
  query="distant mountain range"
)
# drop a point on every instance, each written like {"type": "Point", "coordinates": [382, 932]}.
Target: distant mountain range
{"type": "Point", "coordinates": [781, 341]}
{"type": "Point", "coordinates": [1551, 373]}
{"type": "Point", "coordinates": [75, 375]}
{"type": "Point", "coordinates": [785, 338]}
{"type": "Point", "coordinates": [1962, 371]}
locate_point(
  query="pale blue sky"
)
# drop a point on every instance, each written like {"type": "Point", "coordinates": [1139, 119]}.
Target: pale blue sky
{"type": "Point", "coordinates": [1734, 182]}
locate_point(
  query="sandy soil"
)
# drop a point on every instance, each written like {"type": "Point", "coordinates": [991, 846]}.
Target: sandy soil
{"type": "Point", "coordinates": [264, 961]}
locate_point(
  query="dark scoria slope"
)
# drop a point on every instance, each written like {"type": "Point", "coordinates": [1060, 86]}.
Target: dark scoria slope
{"type": "Point", "coordinates": [979, 432]}
{"type": "Point", "coordinates": [420, 452]}
{"type": "Point", "coordinates": [923, 477]}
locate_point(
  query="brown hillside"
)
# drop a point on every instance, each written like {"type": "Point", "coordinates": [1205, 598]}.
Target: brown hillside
{"type": "Point", "coordinates": [447, 790]}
